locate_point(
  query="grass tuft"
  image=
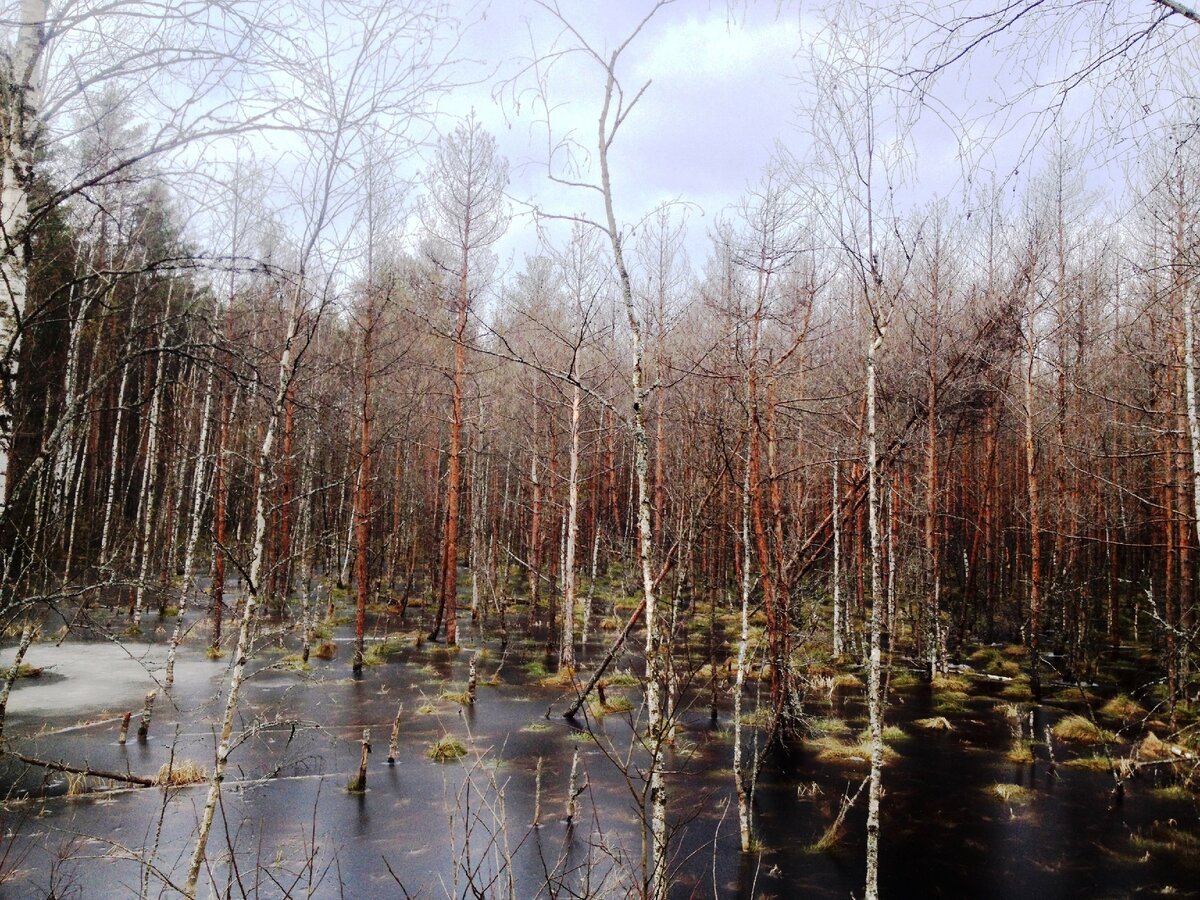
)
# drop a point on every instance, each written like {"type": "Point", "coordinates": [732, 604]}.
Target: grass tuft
{"type": "Point", "coordinates": [1080, 730]}
{"type": "Point", "coordinates": [832, 750]}
{"type": "Point", "coordinates": [936, 723]}
{"type": "Point", "coordinates": [1010, 793]}
{"type": "Point", "coordinates": [1093, 763]}
{"type": "Point", "coordinates": [951, 702]}
{"type": "Point", "coordinates": [294, 663]}
{"type": "Point", "coordinates": [383, 651]}
{"type": "Point", "coordinates": [954, 684]}
{"type": "Point", "coordinates": [846, 681]}
{"type": "Point", "coordinates": [180, 774]}
{"type": "Point", "coordinates": [448, 748]}
{"type": "Point", "coordinates": [1122, 708]}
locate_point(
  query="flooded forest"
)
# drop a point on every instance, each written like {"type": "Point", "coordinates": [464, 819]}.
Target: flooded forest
{"type": "Point", "coordinates": [649, 449]}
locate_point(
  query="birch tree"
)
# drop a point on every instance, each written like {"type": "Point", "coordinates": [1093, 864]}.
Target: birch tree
{"type": "Point", "coordinates": [861, 124]}
{"type": "Point", "coordinates": [615, 107]}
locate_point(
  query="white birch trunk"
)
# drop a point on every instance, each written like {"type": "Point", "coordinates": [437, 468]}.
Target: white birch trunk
{"type": "Point", "coordinates": [148, 491]}
{"type": "Point", "coordinates": [874, 695]}
{"type": "Point", "coordinates": [1189, 363]}
{"type": "Point", "coordinates": [242, 652]}
{"type": "Point", "coordinates": [587, 600]}
{"type": "Point", "coordinates": [115, 456]}
{"type": "Point", "coordinates": [189, 555]}
{"type": "Point", "coordinates": [838, 648]}
{"type": "Point", "coordinates": [17, 173]}
{"type": "Point", "coordinates": [66, 453]}
{"type": "Point", "coordinates": [567, 651]}
{"type": "Point", "coordinates": [739, 767]}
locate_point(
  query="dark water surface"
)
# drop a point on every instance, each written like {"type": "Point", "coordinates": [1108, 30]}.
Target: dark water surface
{"type": "Point", "coordinates": [288, 827]}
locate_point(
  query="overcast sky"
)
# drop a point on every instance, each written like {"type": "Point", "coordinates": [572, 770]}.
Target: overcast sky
{"type": "Point", "coordinates": [722, 91]}
{"type": "Point", "coordinates": [726, 84]}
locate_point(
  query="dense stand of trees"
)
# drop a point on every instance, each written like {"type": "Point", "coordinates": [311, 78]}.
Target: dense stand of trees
{"type": "Point", "coordinates": [1036, 406]}
{"type": "Point", "coordinates": [886, 431]}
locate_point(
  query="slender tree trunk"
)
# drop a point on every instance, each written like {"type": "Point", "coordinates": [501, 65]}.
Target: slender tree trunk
{"type": "Point", "coordinates": [839, 614]}
{"type": "Point", "coordinates": [454, 474]}
{"type": "Point", "coordinates": [283, 565]}
{"type": "Point", "coordinates": [189, 556]}
{"type": "Point", "coordinates": [741, 777]}
{"type": "Point", "coordinates": [874, 687]}
{"type": "Point", "coordinates": [535, 525]}
{"type": "Point", "coordinates": [115, 455]}
{"type": "Point", "coordinates": [567, 650]}
{"type": "Point", "coordinates": [287, 365]}
{"type": "Point", "coordinates": [656, 884]}
{"type": "Point", "coordinates": [932, 573]}
{"type": "Point", "coordinates": [362, 503]}
{"type": "Point", "coordinates": [23, 102]}
{"type": "Point", "coordinates": [219, 494]}
{"type": "Point", "coordinates": [1035, 527]}
{"type": "Point", "coordinates": [148, 488]}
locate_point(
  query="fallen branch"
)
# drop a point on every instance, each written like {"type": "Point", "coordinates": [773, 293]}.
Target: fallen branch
{"type": "Point", "coordinates": [55, 766]}
{"type": "Point", "coordinates": [608, 658]}
{"type": "Point", "coordinates": [620, 641]}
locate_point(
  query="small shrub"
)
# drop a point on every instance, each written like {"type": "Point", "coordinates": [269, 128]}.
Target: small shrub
{"type": "Point", "coordinates": [985, 657]}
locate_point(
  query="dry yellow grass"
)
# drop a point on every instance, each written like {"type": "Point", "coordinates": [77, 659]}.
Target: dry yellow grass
{"type": "Point", "coordinates": [936, 723]}
{"type": "Point", "coordinates": [1080, 730]}
{"type": "Point", "coordinates": [1122, 707]}
{"type": "Point", "coordinates": [831, 750]}
{"type": "Point", "coordinates": [180, 774]}
{"type": "Point", "coordinates": [952, 683]}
